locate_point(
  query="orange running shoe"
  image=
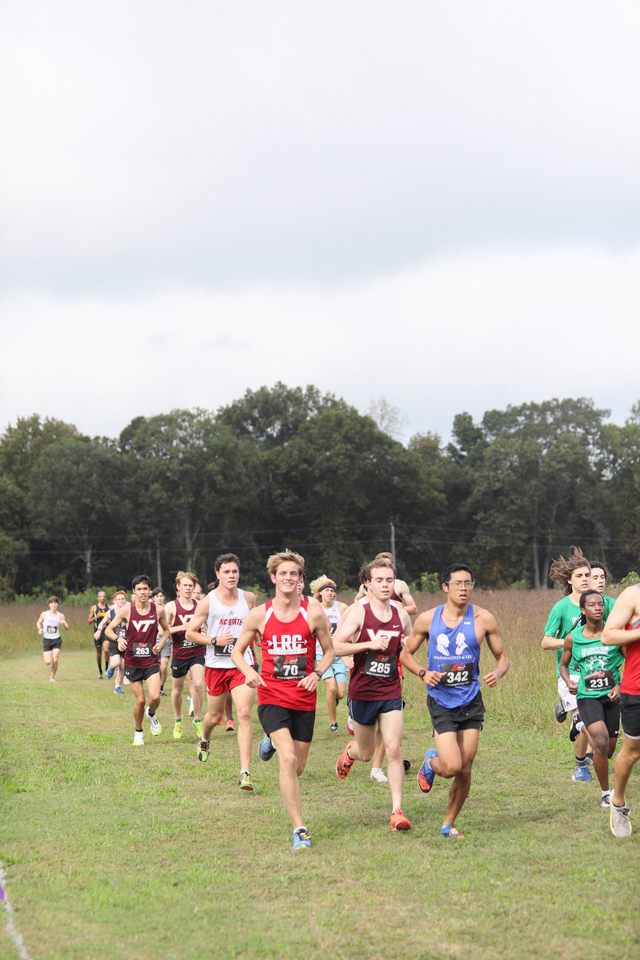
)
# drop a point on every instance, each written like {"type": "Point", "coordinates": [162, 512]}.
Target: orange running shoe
{"type": "Point", "coordinates": [344, 763]}
{"type": "Point", "coordinates": [229, 726]}
{"type": "Point", "coordinates": [398, 821]}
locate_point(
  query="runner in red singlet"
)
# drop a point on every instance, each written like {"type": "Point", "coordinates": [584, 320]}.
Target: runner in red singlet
{"type": "Point", "coordinates": [187, 658]}
{"type": "Point", "coordinates": [373, 632]}
{"type": "Point", "coordinates": [288, 627]}
{"type": "Point", "coordinates": [141, 646]}
{"type": "Point", "coordinates": [622, 629]}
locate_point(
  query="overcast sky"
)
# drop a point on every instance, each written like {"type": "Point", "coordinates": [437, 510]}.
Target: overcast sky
{"type": "Point", "coordinates": [434, 203]}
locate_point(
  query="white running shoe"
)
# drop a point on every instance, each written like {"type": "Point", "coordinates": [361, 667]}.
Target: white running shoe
{"type": "Point", "coordinates": [377, 773]}
{"type": "Point", "coordinates": [619, 820]}
{"type": "Point", "coordinates": [126, 681]}
{"type": "Point", "coordinates": [138, 738]}
{"type": "Point", "coordinates": [154, 723]}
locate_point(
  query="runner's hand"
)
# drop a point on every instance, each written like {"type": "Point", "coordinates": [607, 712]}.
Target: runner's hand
{"type": "Point", "coordinates": [491, 679]}
{"type": "Point", "coordinates": [433, 677]}
{"type": "Point", "coordinates": [572, 686]}
{"type": "Point", "coordinates": [380, 643]}
{"type": "Point", "coordinates": [309, 682]}
{"type": "Point", "coordinates": [615, 693]}
{"type": "Point", "coordinates": [254, 680]}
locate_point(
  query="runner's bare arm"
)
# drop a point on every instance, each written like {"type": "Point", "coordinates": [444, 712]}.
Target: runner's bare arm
{"type": "Point", "coordinates": [551, 643]}
{"type": "Point", "coordinates": [251, 630]}
{"type": "Point", "coordinates": [122, 614]}
{"type": "Point", "coordinates": [343, 643]}
{"type": "Point", "coordinates": [39, 623]}
{"type": "Point", "coordinates": [194, 633]}
{"type": "Point", "coordinates": [565, 660]}
{"type": "Point", "coordinates": [320, 628]}
{"type": "Point", "coordinates": [495, 644]}
{"type": "Point", "coordinates": [92, 613]}
{"type": "Point", "coordinates": [64, 622]}
{"type": "Point", "coordinates": [625, 610]}
{"type": "Point", "coordinates": [408, 603]}
{"type": "Point", "coordinates": [419, 635]}
{"type": "Point", "coordinates": [166, 633]}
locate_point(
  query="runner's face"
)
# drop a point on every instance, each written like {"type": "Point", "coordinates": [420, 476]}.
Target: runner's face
{"type": "Point", "coordinates": [381, 584]}
{"type": "Point", "coordinates": [197, 593]}
{"type": "Point", "coordinates": [102, 598]}
{"type": "Point", "coordinates": [579, 579]}
{"type": "Point", "coordinates": [327, 596]}
{"type": "Point", "coordinates": [459, 587]}
{"type": "Point", "coordinates": [287, 579]}
{"type": "Point", "coordinates": [594, 609]}
{"type": "Point", "coordinates": [228, 575]}
{"type": "Point", "coordinates": [186, 586]}
{"type": "Point", "coordinates": [120, 600]}
{"type": "Point", "coordinates": [598, 579]}
{"type": "Point", "coordinates": [142, 592]}
{"type": "Point", "coordinates": [53, 606]}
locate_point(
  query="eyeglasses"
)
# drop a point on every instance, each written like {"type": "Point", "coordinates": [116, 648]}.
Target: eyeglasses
{"type": "Point", "coordinates": [470, 584]}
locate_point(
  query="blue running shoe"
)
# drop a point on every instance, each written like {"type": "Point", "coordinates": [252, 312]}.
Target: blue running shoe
{"type": "Point", "coordinates": [118, 689]}
{"type": "Point", "coordinates": [582, 774]}
{"type": "Point", "coordinates": [301, 839]}
{"type": "Point", "coordinates": [425, 773]}
{"type": "Point", "coordinates": [110, 672]}
{"type": "Point", "coordinates": [266, 750]}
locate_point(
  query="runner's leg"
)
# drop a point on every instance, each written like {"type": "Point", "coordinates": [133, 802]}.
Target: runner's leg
{"type": "Point", "coordinates": [243, 697]}
{"type": "Point", "coordinates": [391, 726]}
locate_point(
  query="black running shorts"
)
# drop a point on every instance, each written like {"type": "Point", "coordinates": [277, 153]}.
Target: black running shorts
{"type": "Point", "coordinates": [450, 720]}
{"type": "Point", "coordinates": [630, 711]}
{"type": "Point", "coordinates": [136, 674]}
{"type": "Point", "coordinates": [180, 668]}
{"type": "Point", "coordinates": [594, 709]}
{"type": "Point", "coordinates": [299, 723]}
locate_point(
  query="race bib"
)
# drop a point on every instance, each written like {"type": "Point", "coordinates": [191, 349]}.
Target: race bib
{"type": "Point", "coordinates": [141, 649]}
{"type": "Point", "coordinates": [290, 667]}
{"type": "Point", "coordinates": [460, 675]}
{"type": "Point", "coordinates": [121, 630]}
{"type": "Point", "coordinates": [224, 649]}
{"type": "Point", "coordinates": [599, 680]}
{"type": "Point", "coordinates": [187, 644]}
{"type": "Point", "coordinates": [52, 630]}
{"type": "Point", "coordinates": [380, 665]}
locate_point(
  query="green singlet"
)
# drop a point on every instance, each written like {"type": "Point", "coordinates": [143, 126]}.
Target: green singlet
{"type": "Point", "coordinates": [597, 665]}
{"type": "Point", "coordinates": [564, 616]}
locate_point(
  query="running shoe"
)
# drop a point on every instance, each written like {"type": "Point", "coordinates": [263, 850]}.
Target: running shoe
{"type": "Point", "coordinates": [301, 839]}
{"type": "Point", "coordinates": [407, 765]}
{"type": "Point", "coordinates": [229, 726]}
{"type": "Point", "coordinates": [126, 681]}
{"type": "Point", "coordinates": [266, 749]}
{"type": "Point", "coordinates": [177, 730]}
{"type": "Point", "coordinates": [398, 821]}
{"type": "Point", "coordinates": [582, 774]}
{"type": "Point", "coordinates": [576, 728]}
{"type": "Point", "coordinates": [191, 709]}
{"type": "Point", "coordinates": [203, 751]}
{"type": "Point", "coordinates": [350, 729]}
{"type": "Point", "coordinates": [110, 672]}
{"type": "Point", "coordinates": [138, 738]}
{"type": "Point", "coordinates": [118, 689]}
{"type": "Point", "coordinates": [619, 821]}
{"type": "Point", "coordinates": [426, 774]}
{"type": "Point", "coordinates": [344, 763]}
{"type": "Point", "coordinates": [154, 723]}
{"type": "Point", "coordinates": [560, 712]}
{"type": "Point", "coordinates": [605, 801]}
{"type": "Point", "coordinates": [245, 781]}
{"type": "Point", "coordinates": [378, 775]}
{"type": "Point", "coordinates": [450, 831]}
{"type": "Point", "coordinates": [198, 725]}
{"type": "Point", "coordinates": [99, 676]}
{"type": "Point", "coordinates": [334, 728]}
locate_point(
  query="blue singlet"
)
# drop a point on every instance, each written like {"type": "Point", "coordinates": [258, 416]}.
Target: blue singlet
{"type": "Point", "coordinates": [456, 652]}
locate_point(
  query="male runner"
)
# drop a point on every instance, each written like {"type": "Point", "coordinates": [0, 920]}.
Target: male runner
{"type": "Point", "coordinates": [373, 631]}
{"type": "Point", "coordinates": [337, 676]}
{"type": "Point", "coordinates": [97, 612]}
{"type": "Point", "coordinates": [598, 686]}
{"type": "Point", "coordinates": [187, 656]}
{"type": "Point", "coordinates": [288, 627]}
{"type": "Point", "coordinates": [573, 574]}
{"type": "Point", "coordinates": [454, 632]}
{"type": "Point", "coordinates": [48, 626]}
{"type": "Point", "coordinates": [141, 645]}
{"type": "Point", "coordinates": [116, 660]}
{"type": "Point", "coordinates": [400, 594]}
{"type": "Point", "coordinates": [622, 629]}
{"type": "Point", "coordinates": [223, 612]}
{"type": "Point", "coordinates": [159, 598]}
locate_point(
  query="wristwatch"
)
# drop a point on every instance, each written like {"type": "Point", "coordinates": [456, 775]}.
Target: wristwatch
{"type": "Point", "coordinates": [318, 674]}
{"type": "Point", "coordinates": [422, 674]}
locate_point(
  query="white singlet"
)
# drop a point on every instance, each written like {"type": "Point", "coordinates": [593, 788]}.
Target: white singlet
{"type": "Point", "coordinates": [51, 625]}
{"type": "Point", "coordinates": [225, 619]}
{"type": "Point", "coordinates": [332, 614]}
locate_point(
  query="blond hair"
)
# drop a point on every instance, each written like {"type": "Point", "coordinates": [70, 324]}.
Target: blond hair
{"type": "Point", "coordinates": [380, 561]}
{"type": "Point", "coordinates": [319, 584]}
{"type": "Point", "coordinates": [285, 556]}
{"type": "Point", "coordinates": [188, 575]}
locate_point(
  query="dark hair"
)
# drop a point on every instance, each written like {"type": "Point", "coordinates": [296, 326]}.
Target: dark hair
{"type": "Point", "coordinates": [53, 599]}
{"type": "Point", "coordinates": [157, 592]}
{"type": "Point", "coordinates": [601, 566]}
{"type": "Point", "coordinates": [445, 576]}
{"type": "Point", "coordinates": [141, 578]}
{"type": "Point", "coordinates": [225, 558]}
{"type": "Point", "coordinates": [583, 597]}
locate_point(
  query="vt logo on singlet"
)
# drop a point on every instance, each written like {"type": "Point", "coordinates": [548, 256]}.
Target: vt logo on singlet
{"type": "Point", "coordinates": [382, 634]}
{"type": "Point", "coordinates": [142, 625]}
{"type": "Point", "coordinates": [185, 617]}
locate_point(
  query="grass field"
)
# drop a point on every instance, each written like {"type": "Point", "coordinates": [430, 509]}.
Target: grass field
{"type": "Point", "coordinates": [112, 852]}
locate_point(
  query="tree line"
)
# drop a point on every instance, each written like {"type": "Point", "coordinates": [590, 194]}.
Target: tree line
{"type": "Point", "coordinates": [291, 466]}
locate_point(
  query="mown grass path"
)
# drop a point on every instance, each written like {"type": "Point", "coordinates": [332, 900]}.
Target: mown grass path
{"type": "Point", "coordinates": [115, 852]}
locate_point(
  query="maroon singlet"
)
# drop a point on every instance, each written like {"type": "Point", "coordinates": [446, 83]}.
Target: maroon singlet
{"type": "Point", "coordinates": [375, 673]}
{"type": "Point", "coordinates": [184, 649]}
{"type": "Point", "coordinates": [142, 635]}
